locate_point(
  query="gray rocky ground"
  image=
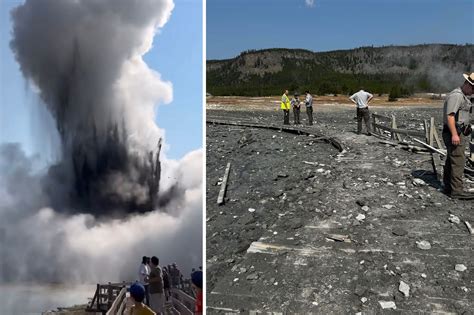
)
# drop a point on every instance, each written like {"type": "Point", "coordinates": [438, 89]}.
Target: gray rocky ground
{"type": "Point", "coordinates": [308, 229]}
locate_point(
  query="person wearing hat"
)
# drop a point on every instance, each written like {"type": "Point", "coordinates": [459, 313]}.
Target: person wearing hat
{"type": "Point", "coordinates": [309, 107]}
{"type": "Point", "coordinates": [362, 99]}
{"type": "Point", "coordinates": [456, 128]}
{"type": "Point", "coordinates": [295, 104]}
{"type": "Point", "coordinates": [196, 283]}
{"type": "Point", "coordinates": [285, 106]}
{"type": "Point", "coordinates": [137, 295]}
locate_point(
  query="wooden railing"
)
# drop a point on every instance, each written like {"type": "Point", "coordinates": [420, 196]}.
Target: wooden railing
{"type": "Point", "coordinates": [111, 299]}
{"type": "Point", "coordinates": [182, 302]}
{"type": "Point", "coordinates": [120, 303]}
{"type": "Point", "coordinates": [105, 295]}
{"type": "Point", "coordinates": [428, 134]}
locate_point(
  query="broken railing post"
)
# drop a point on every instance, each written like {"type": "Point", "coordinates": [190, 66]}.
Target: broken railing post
{"type": "Point", "coordinates": [374, 123]}
{"type": "Point", "coordinates": [220, 197]}
{"type": "Point", "coordinates": [432, 128]}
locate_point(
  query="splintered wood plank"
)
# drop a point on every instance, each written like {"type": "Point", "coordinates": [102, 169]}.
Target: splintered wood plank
{"type": "Point", "coordinates": [220, 197]}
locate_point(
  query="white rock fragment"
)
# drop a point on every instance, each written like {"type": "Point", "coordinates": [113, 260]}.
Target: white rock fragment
{"type": "Point", "coordinates": [460, 267]}
{"type": "Point", "coordinates": [251, 210]}
{"type": "Point", "coordinates": [454, 219]}
{"type": "Point", "coordinates": [423, 245]}
{"type": "Point", "coordinates": [236, 279]}
{"type": "Point", "coordinates": [418, 182]}
{"type": "Point", "coordinates": [469, 227]}
{"type": "Point", "coordinates": [363, 299]}
{"type": "Point", "coordinates": [388, 305]}
{"type": "Point", "coordinates": [404, 288]}
{"type": "Point", "coordinates": [423, 275]}
{"type": "Point", "coordinates": [315, 303]}
{"type": "Point", "coordinates": [360, 217]}
{"type": "Point", "coordinates": [365, 208]}
{"type": "Point", "coordinates": [388, 206]}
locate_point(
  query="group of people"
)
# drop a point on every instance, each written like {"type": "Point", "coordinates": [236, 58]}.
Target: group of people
{"type": "Point", "coordinates": [361, 99]}
{"type": "Point", "coordinates": [152, 289]}
{"type": "Point", "coordinates": [287, 104]}
{"type": "Point", "coordinates": [456, 128]}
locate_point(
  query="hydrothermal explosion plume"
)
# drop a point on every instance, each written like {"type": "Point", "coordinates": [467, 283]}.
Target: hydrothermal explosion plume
{"type": "Point", "coordinates": [85, 57]}
{"type": "Point", "coordinates": [77, 221]}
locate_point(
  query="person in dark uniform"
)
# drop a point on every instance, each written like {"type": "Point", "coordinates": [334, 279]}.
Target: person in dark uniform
{"type": "Point", "coordinates": [295, 103]}
{"type": "Point", "coordinates": [456, 129]}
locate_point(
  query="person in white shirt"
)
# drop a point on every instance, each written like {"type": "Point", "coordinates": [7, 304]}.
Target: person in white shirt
{"type": "Point", "coordinates": [309, 107]}
{"type": "Point", "coordinates": [143, 276]}
{"type": "Point", "coordinates": [362, 99]}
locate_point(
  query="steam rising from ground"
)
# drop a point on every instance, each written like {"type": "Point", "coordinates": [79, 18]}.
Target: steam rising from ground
{"type": "Point", "coordinates": [85, 59]}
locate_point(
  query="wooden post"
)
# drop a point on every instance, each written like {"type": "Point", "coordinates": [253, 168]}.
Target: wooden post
{"type": "Point", "coordinates": [437, 167]}
{"type": "Point", "coordinates": [394, 126]}
{"type": "Point", "coordinates": [220, 197]}
{"type": "Point", "coordinates": [392, 133]}
{"type": "Point", "coordinates": [438, 141]}
{"type": "Point", "coordinates": [97, 292]}
{"type": "Point", "coordinates": [109, 295]}
{"type": "Point", "coordinates": [427, 131]}
{"type": "Point", "coordinates": [374, 122]}
{"type": "Point", "coordinates": [432, 128]}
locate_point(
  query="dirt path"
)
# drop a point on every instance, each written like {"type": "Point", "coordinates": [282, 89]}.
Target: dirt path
{"type": "Point", "coordinates": [272, 246]}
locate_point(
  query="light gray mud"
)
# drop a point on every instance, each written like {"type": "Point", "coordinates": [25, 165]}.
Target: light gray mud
{"type": "Point", "coordinates": [271, 247]}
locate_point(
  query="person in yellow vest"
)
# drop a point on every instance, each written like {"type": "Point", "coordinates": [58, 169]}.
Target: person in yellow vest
{"type": "Point", "coordinates": [285, 106]}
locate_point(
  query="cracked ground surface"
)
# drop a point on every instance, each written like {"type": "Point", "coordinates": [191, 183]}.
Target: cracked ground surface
{"type": "Point", "coordinates": [308, 229]}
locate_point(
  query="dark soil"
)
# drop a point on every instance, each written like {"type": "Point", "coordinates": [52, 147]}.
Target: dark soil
{"type": "Point", "coordinates": [287, 239]}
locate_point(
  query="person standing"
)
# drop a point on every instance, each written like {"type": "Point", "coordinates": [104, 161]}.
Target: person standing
{"type": "Point", "coordinates": [295, 104]}
{"type": "Point", "coordinates": [285, 106]}
{"type": "Point", "coordinates": [456, 128]}
{"type": "Point", "coordinates": [362, 99]}
{"type": "Point", "coordinates": [143, 273]}
{"type": "Point", "coordinates": [166, 283]}
{"type": "Point", "coordinates": [157, 297]}
{"type": "Point", "coordinates": [309, 107]}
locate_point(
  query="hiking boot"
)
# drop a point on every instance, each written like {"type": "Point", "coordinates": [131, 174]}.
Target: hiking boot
{"type": "Point", "coordinates": [461, 195]}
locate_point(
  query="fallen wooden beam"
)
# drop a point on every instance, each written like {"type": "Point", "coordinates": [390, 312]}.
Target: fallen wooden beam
{"type": "Point", "coordinates": [220, 197]}
{"type": "Point", "coordinates": [402, 131]}
{"type": "Point", "coordinates": [430, 147]}
{"type": "Point", "coordinates": [294, 130]}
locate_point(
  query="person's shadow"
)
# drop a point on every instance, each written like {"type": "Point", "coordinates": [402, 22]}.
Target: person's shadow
{"type": "Point", "coordinates": [429, 177]}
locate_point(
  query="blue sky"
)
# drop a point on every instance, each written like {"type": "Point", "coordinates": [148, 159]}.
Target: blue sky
{"type": "Point", "coordinates": [237, 25]}
{"type": "Point", "coordinates": [176, 54]}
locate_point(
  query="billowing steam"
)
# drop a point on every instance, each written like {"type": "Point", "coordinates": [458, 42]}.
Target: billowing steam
{"type": "Point", "coordinates": [85, 57]}
{"type": "Point", "coordinates": [91, 216]}
{"type": "Point", "coordinates": [39, 244]}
